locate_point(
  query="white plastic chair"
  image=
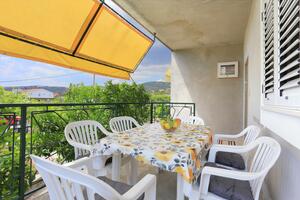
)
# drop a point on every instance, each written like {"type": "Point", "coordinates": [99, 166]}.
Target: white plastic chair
{"type": "Point", "coordinates": [248, 135]}
{"type": "Point", "coordinates": [123, 123]}
{"type": "Point", "coordinates": [77, 182]}
{"type": "Point", "coordinates": [267, 151]}
{"type": "Point", "coordinates": [194, 120]}
{"type": "Point", "coordinates": [83, 135]}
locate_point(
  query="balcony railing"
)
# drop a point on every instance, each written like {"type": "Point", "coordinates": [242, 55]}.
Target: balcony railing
{"type": "Point", "coordinates": [37, 128]}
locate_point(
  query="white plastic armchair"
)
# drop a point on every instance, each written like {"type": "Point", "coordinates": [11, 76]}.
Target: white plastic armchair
{"type": "Point", "coordinates": [267, 151]}
{"type": "Point", "coordinates": [248, 135]}
{"type": "Point", "coordinates": [193, 120]}
{"type": "Point", "coordinates": [123, 123]}
{"type": "Point", "coordinates": [76, 182]}
{"type": "Point", "coordinates": [83, 135]}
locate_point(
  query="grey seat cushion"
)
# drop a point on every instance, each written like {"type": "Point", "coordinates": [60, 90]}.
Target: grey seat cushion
{"type": "Point", "coordinates": [228, 188]}
{"type": "Point", "coordinates": [230, 159]}
{"type": "Point", "coordinates": [122, 188]}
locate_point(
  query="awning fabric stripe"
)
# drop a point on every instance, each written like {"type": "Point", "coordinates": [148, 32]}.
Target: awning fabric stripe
{"type": "Point", "coordinates": [84, 35]}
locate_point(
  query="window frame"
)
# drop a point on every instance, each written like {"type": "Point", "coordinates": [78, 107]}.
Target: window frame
{"type": "Point", "coordinates": [291, 98]}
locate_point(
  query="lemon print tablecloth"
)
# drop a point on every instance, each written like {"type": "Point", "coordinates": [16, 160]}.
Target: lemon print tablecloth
{"type": "Point", "coordinates": [178, 152]}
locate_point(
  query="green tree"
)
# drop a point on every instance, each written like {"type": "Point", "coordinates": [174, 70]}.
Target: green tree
{"type": "Point", "coordinates": [128, 93]}
{"type": "Point", "coordinates": [163, 109]}
{"type": "Point", "coordinates": [160, 97]}
{"type": "Point", "coordinates": [48, 137]}
{"type": "Point", "coordinates": [48, 127]}
{"type": "Point", "coordinates": [9, 147]}
{"type": "Point", "coordinates": [83, 94]}
{"type": "Point", "coordinates": [10, 98]}
{"type": "Point", "coordinates": [124, 92]}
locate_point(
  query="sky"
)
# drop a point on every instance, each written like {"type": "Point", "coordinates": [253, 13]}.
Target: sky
{"type": "Point", "coordinates": [15, 71]}
{"type": "Point", "coordinates": [21, 72]}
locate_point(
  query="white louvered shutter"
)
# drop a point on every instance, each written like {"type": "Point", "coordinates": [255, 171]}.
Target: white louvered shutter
{"type": "Point", "coordinates": [268, 22]}
{"type": "Point", "coordinates": [289, 41]}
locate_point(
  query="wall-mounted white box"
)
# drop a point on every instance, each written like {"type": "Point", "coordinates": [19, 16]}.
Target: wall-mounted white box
{"type": "Point", "coordinates": [228, 69]}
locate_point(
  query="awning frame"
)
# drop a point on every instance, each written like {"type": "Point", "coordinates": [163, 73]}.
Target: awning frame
{"type": "Point", "coordinates": [87, 28]}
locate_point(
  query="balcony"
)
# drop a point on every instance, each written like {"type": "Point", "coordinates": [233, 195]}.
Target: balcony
{"type": "Point", "coordinates": [28, 129]}
{"type": "Point", "coordinates": [237, 60]}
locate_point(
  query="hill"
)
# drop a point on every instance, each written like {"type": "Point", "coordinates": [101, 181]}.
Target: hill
{"type": "Point", "coordinates": [156, 86]}
{"type": "Point", "coordinates": [54, 89]}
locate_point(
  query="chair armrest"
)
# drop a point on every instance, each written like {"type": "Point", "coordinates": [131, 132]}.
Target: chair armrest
{"type": "Point", "coordinates": [108, 133]}
{"type": "Point", "coordinates": [91, 148]}
{"type": "Point", "coordinates": [81, 146]}
{"type": "Point", "coordinates": [145, 186]}
{"type": "Point", "coordinates": [88, 165]}
{"type": "Point", "coordinates": [83, 164]}
{"type": "Point", "coordinates": [208, 171]}
{"type": "Point", "coordinates": [233, 174]}
{"type": "Point", "coordinates": [226, 148]}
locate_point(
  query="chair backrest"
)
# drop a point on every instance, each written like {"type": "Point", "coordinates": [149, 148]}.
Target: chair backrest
{"type": "Point", "coordinates": [250, 134]}
{"type": "Point", "coordinates": [266, 154]}
{"type": "Point", "coordinates": [193, 120]}
{"type": "Point", "coordinates": [64, 183]}
{"type": "Point", "coordinates": [123, 123]}
{"type": "Point", "coordinates": [83, 132]}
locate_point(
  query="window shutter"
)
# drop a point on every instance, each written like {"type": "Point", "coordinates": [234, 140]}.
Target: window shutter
{"type": "Point", "coordinates": [289, 40]}
{"type": "Point", "coordinates": [268, 21]}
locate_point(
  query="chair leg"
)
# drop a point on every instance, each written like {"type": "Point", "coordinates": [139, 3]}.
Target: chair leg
{"type": "Point", "coordinates": [128, 172]}
{"type": "Point", "coordinates": [133, 171]}
{"type": "Point", "coordinates": [98, 170]}
{"type": "Point", "coordinates": [116, 165]}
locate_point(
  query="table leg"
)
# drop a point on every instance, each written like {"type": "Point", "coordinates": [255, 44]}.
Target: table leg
{"type": "Point", "coordinates": [97, 163]}
{"type": "Point", "coordinates": [116, 166]}
{"type": "Point", "coordinates": [133, 171]}
{"type": "Point", "coordinates": [180, 185]}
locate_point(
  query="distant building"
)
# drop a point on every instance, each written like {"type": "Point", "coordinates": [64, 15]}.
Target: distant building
{"type": "Point", "coordinates": [40, 94]}
{"type": "Point", "coordinates": [15, 90]}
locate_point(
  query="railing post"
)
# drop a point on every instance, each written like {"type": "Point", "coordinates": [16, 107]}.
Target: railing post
{"type": "Point", "coordinates": [22, 152]}
{"type": "Point", "coordinates": [194, 109]}
{"type": "Point", "coordinates": [151, 112]}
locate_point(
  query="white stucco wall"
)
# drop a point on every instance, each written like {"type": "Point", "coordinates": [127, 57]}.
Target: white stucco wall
{"type": "Point", "coordinates": [283, 179]}
{"type": "Point", "coordinates": [194, 79]}
{"type": "Point", "coordinates": [252, 53]}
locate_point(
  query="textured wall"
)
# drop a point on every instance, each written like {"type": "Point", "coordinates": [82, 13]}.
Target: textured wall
{"type": "Point", "coordinates": [283, 179]}
{"type": "Point", "coordinates": [252, 52]}
{"type": "Point", "coordinates": [192, 23]}
{"type": "Point", "coordinates": [194, 79]}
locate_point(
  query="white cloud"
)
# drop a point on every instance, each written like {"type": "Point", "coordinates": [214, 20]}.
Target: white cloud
{"type": "Point", "coordinates": [4, 58]}
{"type": "Point", "coordinates": [149, 72]}
{"type": "Point", "coordinates": [117, 81]}
{"type": "Point", "coordinates": [19, 69]}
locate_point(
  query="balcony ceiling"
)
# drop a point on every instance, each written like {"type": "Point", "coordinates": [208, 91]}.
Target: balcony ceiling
{"type": "Point", "coordinates": [194, 23]}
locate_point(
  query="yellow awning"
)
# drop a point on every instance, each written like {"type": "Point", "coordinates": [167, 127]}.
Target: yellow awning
{"type": "Point", "coordinates": [84, 35]}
